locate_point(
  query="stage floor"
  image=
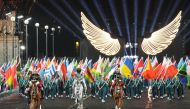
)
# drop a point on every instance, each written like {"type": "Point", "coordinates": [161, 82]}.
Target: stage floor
{"type": "Point", "coordinates": [16, 101]}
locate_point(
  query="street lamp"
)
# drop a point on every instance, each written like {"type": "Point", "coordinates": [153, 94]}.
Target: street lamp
{"type": "Point", "coordinates": [19, 43]}
{"type": "Point", "coordinates": [20, 17]}
{"type": "Point", "coordinates": [22, 47]}
{"type": "Point", "coordinates": [26, 22]}
{"type": "Point", "coordinates": [53, 30]}
{"type": "Point", "coordinates": [46, 27]}
{"type": "Point", "coordinates": [13, 20]}
{"type": "Point", "coordinates": [37, 25]}
{"type": "Point", "coordinates": [59, 28]}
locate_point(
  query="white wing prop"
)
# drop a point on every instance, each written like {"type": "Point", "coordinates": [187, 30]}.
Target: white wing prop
{"type": "Point", "coordinates": [100, 39]}
{"type": "Point", "coordinates": [161, 39]}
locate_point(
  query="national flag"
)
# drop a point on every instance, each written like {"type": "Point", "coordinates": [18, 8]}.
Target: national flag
{"type": "Point", "coordinates": [62, 71]}
{"type": "Point", "coordinates": [158, 70]}
{"type": "Point", "coordinates": [110, 73]}
{"type": "Point", "coordinates": [148, 71]}
{"type": "Point", "coordinates": [182, 74]}
{"type": "Point", "coordinates": [70, 70]}
{"type": "Point", "coordinates": [171, 71]}
{"type": "Point", "coordinates": [88, 76]}
{"type": "Point", "coordinates": [10, 77]}
{"type": "Point", "coordinates": [50, 70]}
{"type": "Point", "coordinates": [180, 63]}
{"type": "Point", "coordinates": [127, 68]}
{"type": "Point", "coordinates": [154, 62]}
{"type": "Point", "coordinates": [138, 67]}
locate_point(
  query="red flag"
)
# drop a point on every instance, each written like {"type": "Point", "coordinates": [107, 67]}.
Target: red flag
{"type": "Point", "coordinates": [64, 70]}
{"type": "Point", "coordinates": [139, 66]}
{"type": "Point", "coordinates": [10, 77]}
{"type": "Point", "coordinates": [171, 71]}
{"type": "Point", "coordinates": [39, 66]}
{"type": "Point", "coordinates": [157, 70]}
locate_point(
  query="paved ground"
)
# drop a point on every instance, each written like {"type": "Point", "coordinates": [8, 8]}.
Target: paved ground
{"type": "Point", "coordinates": [15, 101]}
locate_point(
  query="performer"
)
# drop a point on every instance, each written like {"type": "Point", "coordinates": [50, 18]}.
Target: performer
{"type": "Point", "coordinates": [34, 78]}
{"type": "Point", "coordinates": [79, 79]}
{"type": "Point", "coordinates": [102, 88]}
{"type": "Point", "coordinates": [118, 92]}
{"type": "Point", "coordinates": [150, 93]}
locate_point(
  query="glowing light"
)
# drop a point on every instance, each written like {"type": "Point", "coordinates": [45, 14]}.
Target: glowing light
{"type": "Point", "coordinates": [37, 24]}
{"type": "Point", "coordinates": [20, 16]}
{"type": "Point", "coordinates": [22, 47]}
{"type": "Point", "coordinates": [162, 38]}
{"type": "Point", "coordinates": [46, 27]}
{"type": "Point", "coordinates": [77, 44]}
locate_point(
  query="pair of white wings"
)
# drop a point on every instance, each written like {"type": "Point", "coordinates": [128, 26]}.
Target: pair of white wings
{"type": "Point", "coordinates": [158, 41]}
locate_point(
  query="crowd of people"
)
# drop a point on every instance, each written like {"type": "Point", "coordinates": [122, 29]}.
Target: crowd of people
{"type": "Point", "coordinates": [101, 87]}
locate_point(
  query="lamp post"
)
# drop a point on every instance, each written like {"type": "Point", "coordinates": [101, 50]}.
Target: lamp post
{"type": "Point", "coordinates": [19, 44]}
{"type": "Point", "coordinates": [22, 48]}
{"type": "Point", "coordinates": [19, 31]}
{"type": "Point", "coordinates": [37, 25]}
{"type": "Point", "coordinates": [13, 20]}
{"type": "Point", "coordinates": [26, 22]}
{"type": "Point", "coordinates": [53, 30]}
{"type": "Point", "coordinates": [46, 28]}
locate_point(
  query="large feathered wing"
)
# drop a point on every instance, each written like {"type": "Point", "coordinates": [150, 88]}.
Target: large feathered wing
{"type": "Point", "coordinates": [100, 39]}
{"type": "Point", "coordinates": [161, 39]}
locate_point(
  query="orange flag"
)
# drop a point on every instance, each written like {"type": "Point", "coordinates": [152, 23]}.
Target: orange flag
{"type": "Point", "coordinates": [148, 71]}
{"type": "Point", "coordinates": [171, 71]}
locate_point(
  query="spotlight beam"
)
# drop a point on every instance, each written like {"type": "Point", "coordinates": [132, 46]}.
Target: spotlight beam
{"type": "Point", "coordinates": [102, 15]}
{"type": "Point", "coordinates": [113, 10]}
{"type": "Point", "coordinates": [183, 27]}
{"type": "Point", "coordinates": [145, 16]}
{"type": "Point", "coordinates": [156, 16]}
{"type": "Point", "coordinates": [85, 6]}
{"type": "Point", "coordinates": [66, 15]}
{"type": "Point", "coordinates": [125, 10]}
{"type": "Point", "coordinates": [186, 11]}
{"type": "Point", "coordinates": [187, 34]}
{"type": "Point", "coordinates": [188, 39]}
{"type": "Point", "coordinates": [172, 12]}
{"type": "Point", "coordinates": [135, 21]}
{"type": "Point", "coordinates": [71, 9]}
{"type": "Point", "coordinates": [58, 20]}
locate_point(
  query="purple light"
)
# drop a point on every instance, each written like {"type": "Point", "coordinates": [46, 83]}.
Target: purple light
{"type": "Point", "coordinates": [66, 16]}
{"type": "Point", "coordinates": [145, 16]}
{"type": "Point", "coordinates": [58, 20]}
{"type": "Point", "coordinates": [113, 10]}
{"type": "Point", "coordinates": [125, 10]}
{"type": "Point", "coordinates": [183, 28]}
{"type": "Point", "coordinates": [71, 9]}
{"type": "Point", "coordinates": [102, 15]}
{"type": "Point", "coordinates": [156, 16]}
{"type": "Point", "coordinates": [186, 11]}
{"type": "Point", "coordinates": [172, 11]}
{"type": "Point", "coordinates": [135, 21]}
{"type": "Point", "coordinates": [187, 34]}
{"type": "Point", "coordinates": [89, 12]}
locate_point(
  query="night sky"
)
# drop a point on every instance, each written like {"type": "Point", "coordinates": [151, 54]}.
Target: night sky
{"type": "Point", "coordinates": [66, 13]}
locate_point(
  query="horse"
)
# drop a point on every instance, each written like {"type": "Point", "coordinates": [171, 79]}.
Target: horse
{"type": "Point", "coordinates": [78, 94]}
{"type": "Point", "coordinates": [35, 96]}
{"type": "Point", "coordinates": [118, 94]}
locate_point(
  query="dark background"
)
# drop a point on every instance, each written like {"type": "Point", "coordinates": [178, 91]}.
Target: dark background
{"type": "Point", "coordinates": [66, 13]}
